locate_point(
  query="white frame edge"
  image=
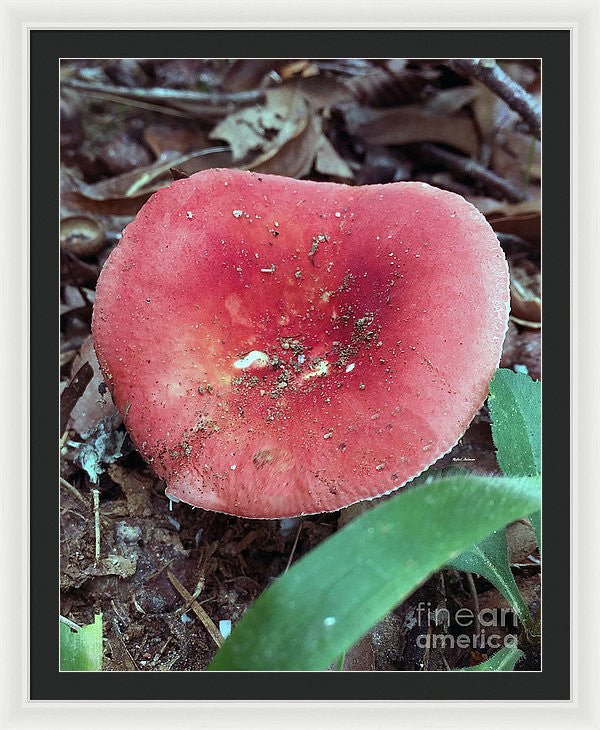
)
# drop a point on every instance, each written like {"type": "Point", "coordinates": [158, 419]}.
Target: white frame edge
{"type": "Point", "coordinates": [582, 17]}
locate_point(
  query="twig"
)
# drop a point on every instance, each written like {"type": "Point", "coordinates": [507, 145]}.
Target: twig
{"type": "Point", "coordinates": [136, 104]}
{"type": "Point", "coordinates": [147, 177]}
{"type": "Point", "coordinates": [63, 439]}
{"type": "Point", "coordinates": [289, 562]}
{"type": "Point", "coordinates": [71, 624]}
{"type": "Point", "coordinates": [162, 651]}
{"type": "Point", "coordinates": [197, 609]}
{"type": "Point", "coordinates": [475, 598]}
{"type": "Point", "coordinates": [96, 498]}
{"type": "Point", "coordinates": [425, 663]}
{"type": "Point", "coordinates": [489, 73]}
{"type": "Point", "coordinates": [126, 653]}
{"type": "Point", "coordinates": [75, 492]}
{"type": "Point", "coordinates": [171, 96]}
{"type": "Point", "coordinates": [465, 166]}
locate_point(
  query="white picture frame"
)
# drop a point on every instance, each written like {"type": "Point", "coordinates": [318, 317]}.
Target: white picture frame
{"type": "Point", "coordinates": [17, 20]}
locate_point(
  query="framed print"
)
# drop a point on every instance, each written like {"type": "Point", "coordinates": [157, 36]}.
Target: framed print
{"type": "Point", "coordinates": [308, 313]}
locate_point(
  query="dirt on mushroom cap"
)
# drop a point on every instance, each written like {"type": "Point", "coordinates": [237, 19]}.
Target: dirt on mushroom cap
{"type": "Point", "coordinates": [272, 375]}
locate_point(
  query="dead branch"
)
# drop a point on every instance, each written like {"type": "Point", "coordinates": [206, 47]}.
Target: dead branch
{"type": "Point", "coordinates": [489, 73]}
{"type": "Point", "coordinates": [170, 96]}
{"type": "Point", "coordinates": [465, 166]}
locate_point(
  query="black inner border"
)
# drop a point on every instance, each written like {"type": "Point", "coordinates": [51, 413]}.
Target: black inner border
{"type": "Point", "coordinates": [46, 47]}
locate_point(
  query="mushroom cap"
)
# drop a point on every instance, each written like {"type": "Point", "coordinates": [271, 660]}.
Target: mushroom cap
{"type": "Point", "coordinates": [281, 347]}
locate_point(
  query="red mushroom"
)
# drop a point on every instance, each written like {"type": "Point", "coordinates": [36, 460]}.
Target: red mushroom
{"type": "Point", "coordinates": [280, 347]}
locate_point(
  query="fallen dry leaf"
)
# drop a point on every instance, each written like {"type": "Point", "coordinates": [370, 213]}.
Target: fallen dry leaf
{"type": "Point", "coordinates": [246, 74]}
{"type": "Point", "coordinates": [328, 161]}
{"type": "Point", "coordinates": [125, 194]}
{"type": "Point", "coordinates": [264, 128]}
{"type": "Point", "coordinates": [92, 406]}
{"type": "Point", "coordinates": [410, 124]}
{"type": "Point", "coordinates": [517, 157]}
{"type": "Point", "coordinates": [72, 393]}
{"type": "Point", "coordinates": [387, 86]}
{"type": "Point", "coordinates": [524, 307]}
{"type": "Point", "coordinates": [137, 489]}
{"type": "Point", "coordinates": [450, 101]}
{"type": "Point", "coordinates": [165, 140]}
{"type": "Point", "coordinates": [525, 290]}
{"type": "Point", "coordinates": [520, 219]}
{"type": "Point", "coordinates": [81, 235]}
{"type": "Point", "coordinates": [323, 93]}
{"type": "Point", "coordinates": [295, 157]}
{"type": "Point", "coordinates": [491, 113]}
{"type": "Point", "coordinates": [521, 542]}
{"type": "Point", "coordinates": [298, 68]}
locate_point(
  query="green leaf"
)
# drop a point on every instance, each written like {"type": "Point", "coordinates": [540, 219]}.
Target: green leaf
{"type": "Point", "coordinates": [326, 601]}
{"type": "Point", "coordinates": [536, 523]}
{"type": "Point", "coordinates": [502, 661]}
{"type": "Point", "coordinates": [81, 651]}
{"type": "Point", "coordinates": [489, 558]}
{"type": "Point", "coordinates": [515, 407]}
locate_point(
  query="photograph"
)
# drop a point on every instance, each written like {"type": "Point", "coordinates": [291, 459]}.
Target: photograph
{"type": "Point", "coordinates": [300, 365]}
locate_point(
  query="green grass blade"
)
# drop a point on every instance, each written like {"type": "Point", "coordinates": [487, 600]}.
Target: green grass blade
{"type": "Point", "coordinates": [81, 651]}
{"type": "Point", "coordinates": [502, 661]}
{"type": "Point", "coordinates": [489, 558]}
{"type": "Point", "coordinates": [321, 607]}
{"type": "Point", "coordinates": [536, 523]}
{"type": "Point", "coordinates": [515, 407]}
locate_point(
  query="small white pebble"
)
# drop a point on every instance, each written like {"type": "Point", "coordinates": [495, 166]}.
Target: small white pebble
{"type": "Point", "coordinates": [350, 367]}
{"type": "Point", "coordinates": [338, 214]}
{"type": "Point", "coordinates": [189, 214]}
{"type": "Point", "coordinates": [233, 467]}
{"type": "Point", "coordinates": [238, 213]}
